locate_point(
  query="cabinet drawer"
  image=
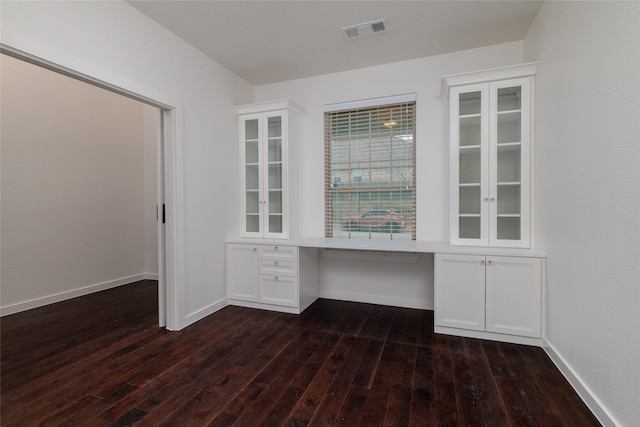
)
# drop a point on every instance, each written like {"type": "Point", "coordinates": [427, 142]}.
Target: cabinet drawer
{"type": "Point", "coordinates": [279, 290]}
{"type": "Point", "coordinates": [278, 253]}
{"type": "Point", "coordinates": [278, 268]}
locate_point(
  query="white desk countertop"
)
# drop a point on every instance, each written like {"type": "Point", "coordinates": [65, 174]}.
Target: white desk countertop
{"type": "Point", "coordinates": [413, 246]}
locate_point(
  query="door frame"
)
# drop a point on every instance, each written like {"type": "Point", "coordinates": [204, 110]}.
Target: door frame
{"type": "Point", "coordinates": [170, 176]}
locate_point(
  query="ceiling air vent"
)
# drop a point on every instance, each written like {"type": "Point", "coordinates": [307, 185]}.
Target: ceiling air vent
{"type": "Point", "coordinates": [365, 29]}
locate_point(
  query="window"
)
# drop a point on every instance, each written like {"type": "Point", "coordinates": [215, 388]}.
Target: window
{"type": "Point", "coordinates": [370, 162]}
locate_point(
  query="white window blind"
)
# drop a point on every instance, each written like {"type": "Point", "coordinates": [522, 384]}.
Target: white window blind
{"type": "Point", "coordinates": [370, 162]}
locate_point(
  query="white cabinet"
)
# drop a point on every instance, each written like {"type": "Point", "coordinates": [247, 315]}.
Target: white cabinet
{"type": "Point", "coordinates": [490, 152]}
{"type": "Point", "coordinates": [269, 168]}
{"type": "Point", "coordinates": [270, 276]}
{"type": "Point", "coordinates": [513, 295]}
{"type": "Point", "coordinates": [242, 272]}
{"type": "Point", "coordinates": [459, 291]}
{"type": "Point", "coordinates": [278, 275]}
{"type": "Point", "coordinates": [492, 297]}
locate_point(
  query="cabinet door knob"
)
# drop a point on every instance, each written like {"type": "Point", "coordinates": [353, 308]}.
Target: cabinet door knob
{"type": "Point", "coordinates": [486, 199]}
{"type": "Point", "coordinates": [489, 262]}
{"type": "Point", "coordinates": [275, 262]}
{"type": "Point", "coordinates": [276, 277]}
{"type": "Point", "coordinates": [276, 248]}
{"type": "Point", "coordinates": [482, 262]}
{"type": "Point", "coordinates": [493, 199]}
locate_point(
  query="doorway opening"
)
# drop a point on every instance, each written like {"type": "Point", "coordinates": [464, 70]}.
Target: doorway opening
{"type": "Point", "coordinates": [164, 121]}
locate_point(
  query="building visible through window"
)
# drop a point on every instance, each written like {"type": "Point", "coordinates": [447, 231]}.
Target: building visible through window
{"type": "Point", "coordinates": [370, 172]}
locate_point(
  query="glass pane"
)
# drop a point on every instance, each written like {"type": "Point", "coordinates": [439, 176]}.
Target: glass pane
{"type": "Point", "coordinates": [251, 177]}
{"type": "Point", "coordinates": [275, 127]}
{"type": "Point", "coordinates": [509, 115]}
{"type": "Point", "coordinates": [509, 127]}
{"type": "Point", "coordinates": [509, 98]}
{"type": "Point", "coordinates": [470, 166]}
{"type": "Point", "coordinates": [275, 176]}
{"type": "Point", "coordinates": [252, 217]}
{"type": "Point", "coordinates": [251, 141]}
{"type": "Point", "coordinates": [360, 213]}
{"type": "Point", "coordinates": [508, 228]}
{"type": "Point", "coordinates": [370, 172]}
{"type": "Point", "coordinates": [253, 223]}
{"type": "Point", "coordinates": [508, 199]}
{"type": "Point", "coordinates": [469, 227]}
{"type": "Point", "coordinates": [251, 152]}
{"type": "Point", "coordinates": [509, 164]}
{"type": "Point", "coordinates": [252, 202]}
{"type": "Point", "coordinates": [251, 130]}
{"type": "Point", "coordinates": [470, 200]}
{"type": "Point", "coordinates": [469, 103]}
{"type": "Point", "coordinates": [275, 202]}
{"type": "Point", "coordinates": [469, 131]}
{"type": "Point", "coordinates": [275, 150]}
{"type": "Point", "coordinates": [275, 223]}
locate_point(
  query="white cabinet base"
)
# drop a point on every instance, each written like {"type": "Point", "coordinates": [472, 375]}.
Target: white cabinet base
{"type": "Point", "coordinates": [514, 339]}
{"type": "Point", "coordinates": [489, 297]}
{"type": "Point", "coordinates": [281, 278]}
{"type": "Point", "coordinates": [279, 290]}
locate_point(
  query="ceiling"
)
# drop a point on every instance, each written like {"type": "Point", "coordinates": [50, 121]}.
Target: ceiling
{"type": "Point", "coordinates": [270, 41]}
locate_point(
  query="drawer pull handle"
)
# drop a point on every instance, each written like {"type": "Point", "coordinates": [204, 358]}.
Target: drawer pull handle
{"type": "Point", "coordinates": [276, 248]}
{"type": "Point", "coordinates": [275, 262]}
{"type": "Point", "coordinates": [276, 277]}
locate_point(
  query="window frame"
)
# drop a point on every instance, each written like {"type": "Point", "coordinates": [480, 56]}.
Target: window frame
{"type": "Point", "coordinates": [374, 190]}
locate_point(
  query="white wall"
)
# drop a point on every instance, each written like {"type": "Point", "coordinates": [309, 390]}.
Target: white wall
{"type": "Point", "coordinates": [113, 42]}
{"type": "Point", "coordinates": [73, 188]}
{"type": "Point", "coordinates": [423, 77]}
{"type": "Point", "coordinates": [588, 203]}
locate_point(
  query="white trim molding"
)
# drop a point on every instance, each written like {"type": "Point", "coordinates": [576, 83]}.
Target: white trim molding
{"type": "Point", "coordinates": [493, 74]}
{"type": "Point", "coordinates": [206, 311]}
{"type": "Point", "coordinates": [74, 293]}
{"type": "Point", "coordinates": [368, 103]}
{"type": "Point", "coordinates": [583, 390]}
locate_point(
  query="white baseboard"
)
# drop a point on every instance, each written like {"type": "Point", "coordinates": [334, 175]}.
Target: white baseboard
{"type": "Point", "coordinates": [583, 390]}
{"type": "Point", "coordinates": [378, 299]}
{"type": "Point", "coordinates": [204, 312]}
{"type": "Point", "coordinates": [62, 296]}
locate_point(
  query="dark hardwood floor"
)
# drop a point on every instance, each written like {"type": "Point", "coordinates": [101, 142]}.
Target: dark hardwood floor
{"type": "Point", "coordinates": [100, 360]}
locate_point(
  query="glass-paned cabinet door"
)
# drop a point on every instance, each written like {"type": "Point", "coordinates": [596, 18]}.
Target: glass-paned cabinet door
{"type": "Point", "coordinates": [510, 142]}
{"type": "Point", "coordinates": [251, 145]}
{"type": "Point", "coordinates": [469, 115]}
{"type": "Point", "coordinates": [263, 142]}
{"type": "Point", "coordinates": [490, 156]}
{"type": "Point", "coordinates": [269, 135]}
{"type": "Point", "coordinates": [274, 176]}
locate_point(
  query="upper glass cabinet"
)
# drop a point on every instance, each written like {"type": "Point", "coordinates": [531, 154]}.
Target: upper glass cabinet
{"type": "Point", "coordinates": [268, 137]}
{"type": "Point", "coordinates": [490, 127]}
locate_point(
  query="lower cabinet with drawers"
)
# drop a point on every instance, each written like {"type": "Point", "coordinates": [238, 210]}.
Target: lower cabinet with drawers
{"type": "Point", "coordinates": [274, 277]}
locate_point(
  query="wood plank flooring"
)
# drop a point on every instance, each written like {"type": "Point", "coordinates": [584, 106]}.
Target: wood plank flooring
{"type": "Point", "coordinates": [100, 360]}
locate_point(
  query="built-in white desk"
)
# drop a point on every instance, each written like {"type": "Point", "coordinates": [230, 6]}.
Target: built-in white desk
{"type": "Point", "coordinates": [284, 275]}
{"type": "Point", "coordinates": [388, 245]}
